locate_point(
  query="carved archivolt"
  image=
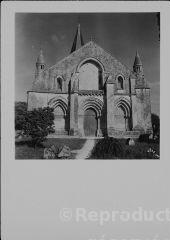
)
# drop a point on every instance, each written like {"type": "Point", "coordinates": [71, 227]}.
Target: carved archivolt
{"type": "Point", "coordinates": [93, 103]}
{"type": "Point", "coordinates": [124, 104]}
{"type": "Point", "coordinates": [93, 60]}
{"type": "Point", "coordinates": [59, 102]}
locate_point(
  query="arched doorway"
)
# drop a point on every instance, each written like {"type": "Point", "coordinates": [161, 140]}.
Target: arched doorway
{"type": "Point", "coordinates": [59, 119]}
{"type": "Point", "coordinates": [90, 122]}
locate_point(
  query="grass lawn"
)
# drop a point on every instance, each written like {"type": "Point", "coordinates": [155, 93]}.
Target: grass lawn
{"type": "Point", "coordinates": [23, 150]}
{"type": "Point", "coordinates": [118, 149]}
{"type": "Point", "coordinates": [108, 148]}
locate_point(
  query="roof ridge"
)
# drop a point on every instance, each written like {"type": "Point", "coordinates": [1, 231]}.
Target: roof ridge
{"type": "Point", "coordinates": [69, 55]}
{"type": "Point", "coordinates": [117, 60]}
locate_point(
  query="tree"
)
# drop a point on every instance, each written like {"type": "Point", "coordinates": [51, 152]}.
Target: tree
{"type": "Point", "coordinates": [20, 113]}
{"type": "Point", "coordinates": [38, 124]}
{"type": "Point", "coordinates": [155, 124]}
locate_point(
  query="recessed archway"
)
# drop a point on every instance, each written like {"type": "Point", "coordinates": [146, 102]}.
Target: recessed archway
{"type": "Point", "coordinates": [60, 114]}
{"type": "Point", "coordinates": [90, 74]}
{"type": "Point", "coordinates": [123, 115]}
{"type": "Point", "coordinates": [90, 122]}
{"type": "Point", "coordinates": [59, 119]}
{"type": "Point", "coordinates": [93, 116]}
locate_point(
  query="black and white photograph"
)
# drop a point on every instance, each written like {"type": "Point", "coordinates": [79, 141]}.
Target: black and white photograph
{"type": "Point", "coordinates": [87, 85]}
{"type": "Point", "coordinates": [85, 81]}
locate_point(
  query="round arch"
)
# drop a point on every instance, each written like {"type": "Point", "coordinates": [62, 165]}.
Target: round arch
{"type": "Point", "coordinates": [95, 60]}
{"type": "Point", "coordinates": [90, 72]}
{"type": "Point", "coordinates": [60, 114]}
{"type": "Point", "coordinates": [90, 122]}
{"type": "Point", "coordinates": [124, 101]}
{"type": "Point", "coordinates": [120, 82]}
{"type": "Point", "coordinates": [58, 102]}
{"type": "Point", "coordinates": [93, 103]}
{"type": "Point", "coordinates": [90, 111]}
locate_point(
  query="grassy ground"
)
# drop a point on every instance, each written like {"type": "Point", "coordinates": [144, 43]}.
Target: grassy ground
{"type": "Point", "coordinates": [118, 149]}
{"type": "Point", "coordinates": [104, 148]}
{"type": "Point", "coordinates": [23, 149]}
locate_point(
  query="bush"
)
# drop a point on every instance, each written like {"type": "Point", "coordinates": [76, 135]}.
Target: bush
{"type": "Point", "coordinates": [111, 148]}
{"type": "Point", "coordinates": [144, 138]}
{"type": "Point", "coordinates": [38, 124]}
{"type": "Point", "coordinates": [20, 114]}
{"type": "Point", "coordinates": [107, 148]}
{"type": "Point", "coordinates": [155, 125]}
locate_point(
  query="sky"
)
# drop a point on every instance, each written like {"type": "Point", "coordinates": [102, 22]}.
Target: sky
{"type": "Point", "coordinates": [120, 34]}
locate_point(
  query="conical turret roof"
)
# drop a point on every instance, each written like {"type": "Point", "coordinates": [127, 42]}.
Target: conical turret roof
{"type": "Point", "coordinates": [137, 59]}
{"type": "Point", "coordinates": [40, 58]}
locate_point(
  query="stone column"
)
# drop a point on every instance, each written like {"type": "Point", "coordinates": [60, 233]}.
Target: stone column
{"type": "Point", "coordinates": [99, 132]}
{"type": "Point", "coordinates": [76, 114]}
{"type": "Point", "coordinates": [74, 105]}
{"type": "Point", "coordinates": [71, 114]}
{"type": "Point", "coordinates": [110, 89]}
{"type": "Point", "coordinates": [81, 125]}
{"type": "Point", "coordinates": [127, 123]}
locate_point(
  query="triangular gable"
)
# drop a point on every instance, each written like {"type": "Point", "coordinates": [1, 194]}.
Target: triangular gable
{"type": "Point", "coordinates": [91, 49]}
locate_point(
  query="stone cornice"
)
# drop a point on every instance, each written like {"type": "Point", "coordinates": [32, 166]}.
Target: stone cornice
{"type": "Point", "coordinates": [91, 92]}
{"type": "Point", "coordinates": [47, 91]}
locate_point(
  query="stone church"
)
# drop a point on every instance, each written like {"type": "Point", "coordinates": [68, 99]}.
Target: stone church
{"type": "Point", "coordinates": [92, 93]}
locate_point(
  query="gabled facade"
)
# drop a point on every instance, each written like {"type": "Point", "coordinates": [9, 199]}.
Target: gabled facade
{"type": "Point", "coordinates": [92, 93]}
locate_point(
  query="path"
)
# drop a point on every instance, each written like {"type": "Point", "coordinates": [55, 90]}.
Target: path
{"type": "Point", "coordinates": [85, 151]}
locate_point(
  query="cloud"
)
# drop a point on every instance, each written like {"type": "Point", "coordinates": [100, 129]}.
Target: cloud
{"type": "Point", "coordinates": [57, 38]}
{"type": "Point", "coordinates": [155, 84]}
{"type": "Point", "coordinates": [63, 37]}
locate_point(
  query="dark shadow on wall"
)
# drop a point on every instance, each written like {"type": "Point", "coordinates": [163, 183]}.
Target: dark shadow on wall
{"type": "Point", "coordinates": [103, 122]}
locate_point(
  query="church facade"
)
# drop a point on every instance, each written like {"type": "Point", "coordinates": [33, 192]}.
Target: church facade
{"type": "Point", "coordinates": [92, 93]}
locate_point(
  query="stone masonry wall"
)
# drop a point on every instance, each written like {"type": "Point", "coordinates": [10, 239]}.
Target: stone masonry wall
{"type": "Point", "coordinates": [44, 93]}
{"type": "Point", "coordinates": [68, 66]}
{"type": "Point", "coordinates": [141, 109]}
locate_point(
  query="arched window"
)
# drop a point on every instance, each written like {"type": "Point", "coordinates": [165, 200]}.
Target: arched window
{"type": "Point", "coordinates": [120, 82]}
{"type": "Point", "coordinates": [58, 83]}
{"type": "Point", "coordinates": [90, 75]}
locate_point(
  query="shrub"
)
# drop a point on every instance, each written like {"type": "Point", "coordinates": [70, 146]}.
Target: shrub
{"type": "Point", "coordinates": [111, 148]}
{"type": "Point", "coordinates": [107, 148]}
{"type": "Point", "coordinates": [155, 126]}
{"type": "Point", "coordinates": [38, 124]}
{"type": "Point", "coordinates": [20, 114]}
{"type": "Point", "coordinates": [144, 138]}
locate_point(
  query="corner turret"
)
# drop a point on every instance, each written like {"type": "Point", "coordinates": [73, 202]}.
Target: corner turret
{"type": "Point", "coordinates": [40, 64]}
{"type": "Point", "coordinates": [137, 66]}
